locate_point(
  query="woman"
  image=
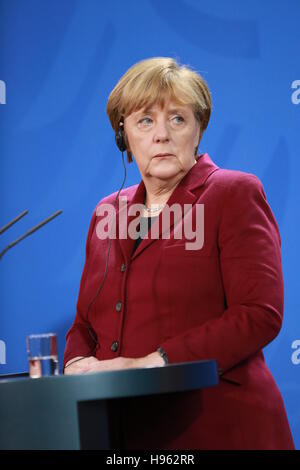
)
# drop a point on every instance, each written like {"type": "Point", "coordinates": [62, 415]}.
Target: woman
{"type": "Point", "coordinates": [166, 300]}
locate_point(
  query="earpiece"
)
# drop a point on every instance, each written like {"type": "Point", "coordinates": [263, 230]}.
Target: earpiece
{"type": "Point", "coordinates": [120, 138]}
{"type": "Point", "coordinates": [120, 141]}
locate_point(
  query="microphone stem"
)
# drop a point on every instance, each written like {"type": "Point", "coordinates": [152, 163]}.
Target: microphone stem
{"type": "Point", "coordinates": [2, 230]}
{"type": "Point", "coordinates": [34, 229]}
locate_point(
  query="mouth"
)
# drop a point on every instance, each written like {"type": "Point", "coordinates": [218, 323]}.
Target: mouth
{"type": "Point", "coordinates": [163, 155]}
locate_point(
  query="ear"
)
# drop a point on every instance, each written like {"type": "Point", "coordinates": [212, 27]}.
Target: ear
{"type": "Point", "coordinates": [125, 135]}
{"type": "Point", "coordinates": [128, 151]}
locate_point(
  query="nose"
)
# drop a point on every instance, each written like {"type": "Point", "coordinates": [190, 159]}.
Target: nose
{"type": "Point", "coordinates": [161, 133]}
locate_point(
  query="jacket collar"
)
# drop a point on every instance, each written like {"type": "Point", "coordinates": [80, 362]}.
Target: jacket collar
{"type": "Point", "coordinates": [199, 173]}
{"type": "Point", "coordinates": [182, 194]}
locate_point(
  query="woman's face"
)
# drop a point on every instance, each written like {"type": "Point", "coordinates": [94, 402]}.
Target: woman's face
{"type": "Point", "coordinates": [171, 130]}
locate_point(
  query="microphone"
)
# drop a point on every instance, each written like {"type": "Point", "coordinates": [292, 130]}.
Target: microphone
{"type": "Point", "coordinates": [32, 230]}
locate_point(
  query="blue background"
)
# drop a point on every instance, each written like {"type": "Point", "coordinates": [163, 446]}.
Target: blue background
{"type": "Point", "coordinates": [59, 60]}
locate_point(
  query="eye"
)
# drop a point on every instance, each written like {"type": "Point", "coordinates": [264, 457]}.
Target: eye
{"type": "Point", "coordinates": [145, 121]}
{"type": "Point", "coordinates": [178, 119]}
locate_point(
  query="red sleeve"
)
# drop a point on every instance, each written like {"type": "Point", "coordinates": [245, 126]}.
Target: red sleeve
{"type": "Point", "coordinates": [78, 339]}
{"type": "Point", "coordinates": [250, 262]}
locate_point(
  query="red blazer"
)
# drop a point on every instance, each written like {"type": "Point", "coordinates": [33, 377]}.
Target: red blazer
{"type": "Point", "coordinates": [223, 301]}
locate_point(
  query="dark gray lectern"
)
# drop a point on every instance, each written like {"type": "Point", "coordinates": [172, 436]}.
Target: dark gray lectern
{"type": "Point", "coordinates": [85, 411]}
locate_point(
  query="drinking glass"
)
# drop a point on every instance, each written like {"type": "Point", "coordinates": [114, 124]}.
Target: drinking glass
{"type": "Point", "coordinates": [42, 355]}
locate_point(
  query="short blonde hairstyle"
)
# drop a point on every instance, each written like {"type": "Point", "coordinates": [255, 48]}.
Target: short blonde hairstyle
{"type": "Point", "coordinates": [153, 80]}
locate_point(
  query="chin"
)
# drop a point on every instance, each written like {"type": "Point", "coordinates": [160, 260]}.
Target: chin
{"type": "Point", "coordinates": [165, 170]}
{"type": "Point", "coordinates": [165, 173]}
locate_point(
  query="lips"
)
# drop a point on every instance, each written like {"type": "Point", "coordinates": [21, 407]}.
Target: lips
{"type": "Point", "coordinates": [159, 155]}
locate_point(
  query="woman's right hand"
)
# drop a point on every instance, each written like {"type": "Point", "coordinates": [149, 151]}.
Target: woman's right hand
{"type": "Point", "coordinates": [79, 365]}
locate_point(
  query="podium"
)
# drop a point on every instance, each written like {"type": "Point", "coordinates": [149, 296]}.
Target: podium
{"type": "Point", "coordinates": [85, 411]}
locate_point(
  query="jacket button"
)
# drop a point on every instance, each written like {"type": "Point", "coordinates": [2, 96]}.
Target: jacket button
{"type": "Point", "coordinates": [123, 267]}
{"type": "Point", "coordinates": [114, 346]}
{"type": "Point", "coordinates": [118, 306]}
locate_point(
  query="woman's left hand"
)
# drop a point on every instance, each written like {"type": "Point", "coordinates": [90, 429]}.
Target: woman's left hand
{"type": "Point", "coordinates": [152, 360]}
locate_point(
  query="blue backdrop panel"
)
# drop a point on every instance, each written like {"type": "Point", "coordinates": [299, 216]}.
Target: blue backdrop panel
{"type": "Point", "coordinates": [59, 61]}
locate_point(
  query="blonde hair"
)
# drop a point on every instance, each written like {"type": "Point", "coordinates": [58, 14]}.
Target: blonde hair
{"type": "Point", "coordinates": [149, 82]}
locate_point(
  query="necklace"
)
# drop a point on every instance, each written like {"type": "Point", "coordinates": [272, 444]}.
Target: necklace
{"type": "Point", "coordinates": [150, 209]}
